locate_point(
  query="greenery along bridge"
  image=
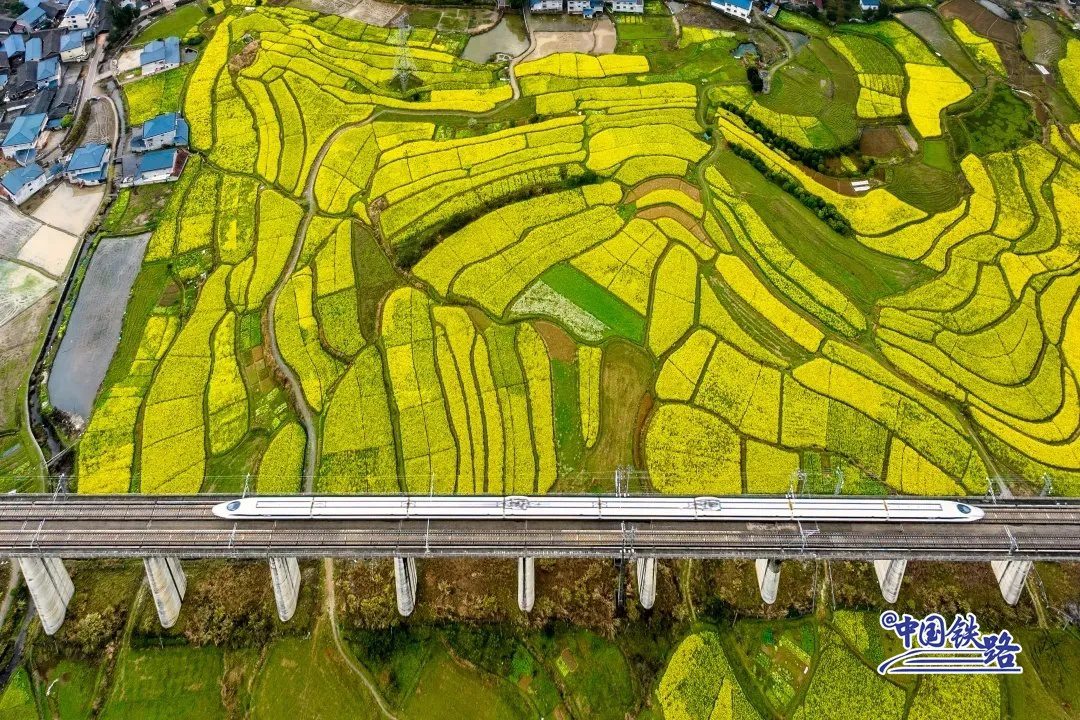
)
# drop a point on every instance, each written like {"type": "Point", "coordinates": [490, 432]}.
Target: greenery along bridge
{"type": "Point", "coordinates": [39, 530]}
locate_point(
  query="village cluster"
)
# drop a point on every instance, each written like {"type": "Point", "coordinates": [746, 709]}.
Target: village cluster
{"type": "Point", "coordinates": [49, 62]}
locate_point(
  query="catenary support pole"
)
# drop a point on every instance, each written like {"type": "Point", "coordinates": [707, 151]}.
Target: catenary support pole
{"type": "Point", "coordinates": [768, 578]}
{"type": "Point", "coordinates": [890, 574]}
{"type": "Point", "coordinates": [168, 583]}
{"type": "Point", "coordinates": [50, 587]}
{"type": "Point", "coordinates": [285, 576]}
{"type": "Point", "coordinates": [405, 584]}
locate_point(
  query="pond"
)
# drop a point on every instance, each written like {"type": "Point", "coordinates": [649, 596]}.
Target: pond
{"type": "Point", "coordinates": [94, 327]}
{"type": "Point", "coordinates": [744, 49]}
{"type": "Point", "coordinates": [508, 37]}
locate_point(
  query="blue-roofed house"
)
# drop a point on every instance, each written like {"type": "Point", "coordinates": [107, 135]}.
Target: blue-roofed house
{"type": "Point", "coordinates": [160, 55]}
{"type": "Point", "coordinates": [49, 73]}
{"type": "Point", "coordinates": [80, 14]}
{"type": "Point", "coordinates": [22, 138]}
{"type": "Point", "coordinates": [15, 46]}
{"type": "Point", "coordinates": [736, 8]}
{"type": "Point", "coordinates": [20, 184]}
{"type": "Point", "coordinates": [628, 6]}
{"type": "Point", "coordinates": [869, 4]}
{"type": "Point", "coordinates": [32, 19]}
{"type": "Point", "coordinates": [168, 130]}
{"type": "Point", "coordinates": [152, 167]}
{"type": "Point", "coordinates": [73, 47]}
{"type": "Point", "coordinates": [33, 49]}
{"type": "Point", "coordinates": [546, 5]}
{"type": "Point", "coordinates": [88, 165]}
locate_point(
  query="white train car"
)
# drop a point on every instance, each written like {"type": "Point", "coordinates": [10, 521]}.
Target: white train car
{"type": "Point", "coordinates": [592, 507]}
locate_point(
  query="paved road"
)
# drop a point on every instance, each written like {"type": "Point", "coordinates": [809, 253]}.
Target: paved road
{"type": "Point", "coordinates": [140, 526]}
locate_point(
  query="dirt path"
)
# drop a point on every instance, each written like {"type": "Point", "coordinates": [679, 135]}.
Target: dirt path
{"type": "Point", "coordinates": [307, 417]}
{"type": "Point", "coordinates": [514, 62]}
{"type": "Point", "coordinates": [330, 600]}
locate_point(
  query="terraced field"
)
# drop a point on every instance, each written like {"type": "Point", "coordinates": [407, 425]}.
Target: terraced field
{"type": "Point", "coordinates": [433, 283]}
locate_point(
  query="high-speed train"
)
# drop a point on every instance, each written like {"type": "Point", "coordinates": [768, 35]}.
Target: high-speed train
{"type": "Point", "coordinates": [593, 507]}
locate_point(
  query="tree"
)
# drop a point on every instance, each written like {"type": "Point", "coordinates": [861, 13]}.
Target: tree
{"type": "Point", "coordinates": [123, 17]}
{"type": "Point", "coordinates": [753, 75]}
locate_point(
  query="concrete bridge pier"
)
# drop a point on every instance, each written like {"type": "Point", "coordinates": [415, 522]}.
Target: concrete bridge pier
{"type": "Point", "coordinates": [890, 573]}
{"type": "Point", "coordinates": [526, 583]}
{"type": "Point", "coordinates": [645, 572]}
{"type": "Point", "coordinates": [1011, 576]}
{"type": "Point", "coordinates": [50, 587]}
{"type": "Point", "coordinates": [405, 584]}
{"type": "Point", "coordinates": [168, 583]}
{"type": "Point", "coordinates": [768, 578]}
{"type": "Point", "coordinates": [285, 576]}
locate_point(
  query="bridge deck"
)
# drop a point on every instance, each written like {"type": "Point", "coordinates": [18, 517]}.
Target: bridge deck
{"type": "Point", "coordinates": [140, 526]}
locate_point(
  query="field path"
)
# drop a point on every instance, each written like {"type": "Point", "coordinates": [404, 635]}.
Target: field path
{"type": "Point", "coordinates": [330, 599]}
{"type": "Point", "coordinates": [307, 417]}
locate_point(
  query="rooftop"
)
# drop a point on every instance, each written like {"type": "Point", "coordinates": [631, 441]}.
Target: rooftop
{"type": "Point", "coordinates": [79, 7]}
{"type": "Point", "coordinates": [31, 16]}
{"type": "Point", "coordinates": [14, 180]}
{"type": "Point", "coordinates": [71, 40]}
{"type": "Point", "coordinates": [48, 69]}
{"type": "Point", "coordinates": [87, 157]}
{"type": "Point", "coordinates": [24, 130]}
{"type": "Point", "coordinates": [157, 160]}
{"type": "Point", "coordinates": [167, 50]}
{"type": "Point", "coordinates": [160, 125]}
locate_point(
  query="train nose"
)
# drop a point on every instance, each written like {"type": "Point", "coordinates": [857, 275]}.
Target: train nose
{"type": "Point", "coordinates": [226, 510]}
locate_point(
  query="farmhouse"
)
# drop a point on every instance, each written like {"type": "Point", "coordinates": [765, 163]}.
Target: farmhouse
{"type": "Point", "coordinates": [20, 184]}
{"type": "Point", "coordinates": [546, 5]}
{"type": "Point", "coordinates": [628, 6]}
{"type": "Point", "coordinates": [73, 47]}
{"type": "Point", "coordinates": [166, 130]}
{"type": "Point", "coordinates": [869, 4]}
{"type": "Point", "coordinates": [160, 55]}
{"type": "Point", "coordinates": [736, 8]}
{"type": "Point", "coordinates": [152, 167]}
{"type": "Point", "coordinates": [88, 165]}
{"type": "Point", "coordinates": [32, 19]}
{"type": "Point", "coordinates": [80, 14]}
{"type": "Point", "coordinates": [49, 73]}
{"type": "Point", "coordinates": [21, 140]}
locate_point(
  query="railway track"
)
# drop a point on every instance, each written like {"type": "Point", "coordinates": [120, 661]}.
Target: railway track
{"type": "Point", "coordinates": [138, 526]}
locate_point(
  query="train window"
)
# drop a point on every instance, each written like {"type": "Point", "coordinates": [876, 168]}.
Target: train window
{"type": "Point", "coordinates": [233, 506]}
{"type": "Point", "coordinates": [963, 508]}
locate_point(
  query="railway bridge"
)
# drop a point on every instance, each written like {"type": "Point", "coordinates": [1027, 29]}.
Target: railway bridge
{"type": "Point", "coordinates": [40, 531]}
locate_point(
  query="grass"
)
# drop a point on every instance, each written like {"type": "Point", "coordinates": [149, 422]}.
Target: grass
{"type": "Point", "coordinates": [396, 658]}
{"type": "Point", "coordinates": [308, 678]}
{"type": "Point", "coordinates": [145, 292]}
{"type": "Point", "coordinates": [375, 278]}
{"type": "Point", "coordinates": [596, 300]}
{"type": "Point", "coordinates": [173, 24]}
{"type": "Point", "coordinates": [936, 154]}
{"type": "Point", "coordinates": [447, 689]}
{"type": "Point", "coordinates": [863, 274]}
{"type": "Point", "coordinates": [1002, 121]}
{"type": "Point", "coordinates": [71, 689]}
{"type": "Point", "coordinates": [168, 683]}
{"type": "Point", "coordinates": [927, 188]}
{"type": "Point", "coordinates": [593, 672]}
